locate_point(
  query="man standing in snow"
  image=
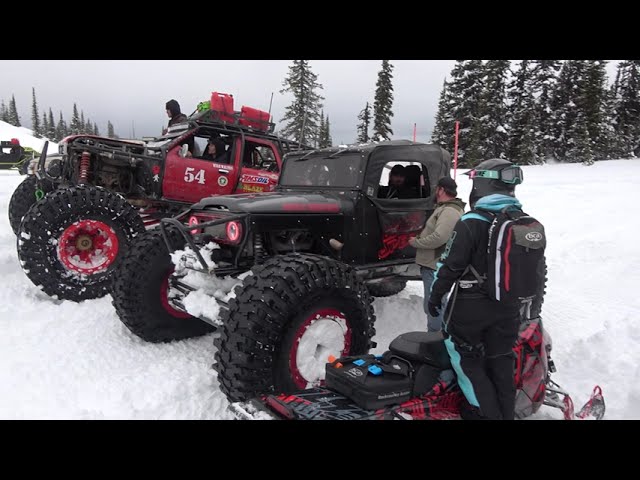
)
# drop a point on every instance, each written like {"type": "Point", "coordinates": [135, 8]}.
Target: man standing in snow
{"type": "Point", "coordinates": [430, 243]}
{"type": "Point", "coordinates": [479, 331]}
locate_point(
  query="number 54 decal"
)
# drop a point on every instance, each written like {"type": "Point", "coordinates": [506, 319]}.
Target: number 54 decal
{"type": "Point", "coordinates": [190, 177]}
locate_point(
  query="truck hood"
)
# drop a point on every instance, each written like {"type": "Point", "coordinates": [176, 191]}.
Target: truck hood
{"type": "Point", "coordinates": [70, 138]}
{"type": "Point", "coordinates": [274, 202]}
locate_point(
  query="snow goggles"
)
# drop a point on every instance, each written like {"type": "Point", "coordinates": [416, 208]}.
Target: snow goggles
{"type": "Point", "coordinates": [511, 175]}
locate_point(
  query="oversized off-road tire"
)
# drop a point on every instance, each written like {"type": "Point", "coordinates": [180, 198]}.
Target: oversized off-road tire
{"type": "Point", "coordinates": [71, 241]}
{"type": "Point", "coordinates": [387, 288]}
{"type": "Point", "coordinates": [24, 197]}
{"type": "Point", "coordinates": [287, 318]}
{"type": "Point", "coordinates": [140, 287]}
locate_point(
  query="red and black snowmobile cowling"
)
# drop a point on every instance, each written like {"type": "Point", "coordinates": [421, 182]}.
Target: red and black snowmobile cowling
{"type": "Point", "coordinates": [435, 394]}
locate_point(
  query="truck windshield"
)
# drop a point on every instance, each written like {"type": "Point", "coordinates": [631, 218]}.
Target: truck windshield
{"type": "Point", "coordinates": [323, 170]}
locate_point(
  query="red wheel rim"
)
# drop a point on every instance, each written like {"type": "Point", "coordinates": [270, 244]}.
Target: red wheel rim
{"type": "Point", "coordinates": [325, 314]}
{"type": "Point", "coordinates": [164, 299]}
{"type": "Point", "coordinates": [88, 247]}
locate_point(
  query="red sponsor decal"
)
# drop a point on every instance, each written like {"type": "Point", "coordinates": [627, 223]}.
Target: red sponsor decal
{"type": "Point", "coordinates": [254, 179]}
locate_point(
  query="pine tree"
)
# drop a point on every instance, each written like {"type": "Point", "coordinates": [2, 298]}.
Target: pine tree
{"type": "Point", "coordinates": [579, 148]}
{"type": "Point", "coordinates": [465, 104]}
{"type": "Point", "coordinates": [321, 128]}
{"type": "Point", "coordinates": [363, 127]}
{"type": "Point", "coordinates": [522, 130]}
{"type": "Point", "coordinates": [88, 127]}
{"type": "Point", "coordinates": [75, 125]}
{"type": "Point", "coordinates": [83, 125]}
{"type": "Point", "coordinates": [4, 113]}
{"type": "Point", "coordinates": [302, 116]}
{"type": "Point", "coordinates": [35, 118]}
{"type": "Point", "coordinates": [327, 133]}
{"type": "Point", "coordinates": [14, 118]}
{"type": "Point", "coordinates": [494, 137]}
{"type": "Point", "coordinates": [61, 129]}
{"type": "Point", "coordinates": [110, 132]}
{"type": "Point", "coordinates": [383, 104]}
{"type": "Point", "coordinates": [627, 112]}
{"type": "Point", "coordinates": [594, 104]}
{"type": "Point", "coordinates": [544, 83]}
{"type": "Point", "coordinates": [568, 102]}
{"type": "Point", "coordinates": [444, 128]}
{"type": "Point", "coordinates": [95, 129]}
{"type": "Point", "coordinates": [51, 131]}
{"type": "Point", "coordinates": [44, 126]}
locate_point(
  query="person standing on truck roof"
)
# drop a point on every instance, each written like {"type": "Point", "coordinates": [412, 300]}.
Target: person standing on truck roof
{"type": "Point", "coordinates": [174, 114]}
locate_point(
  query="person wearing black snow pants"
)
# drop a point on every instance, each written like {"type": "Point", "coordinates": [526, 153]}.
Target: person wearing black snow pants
{"type": "Point", "coordinates": [479, 332]}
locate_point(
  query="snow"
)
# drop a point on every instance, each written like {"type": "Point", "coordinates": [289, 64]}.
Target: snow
{"type": "Point", "coordinates": [324, 337]}
{"type": "Point", "coordinates": [25, 135]}
{"type": "Point", "coordinates": [202, 303]}
{"type": "Point", "coordinates": [60, 359]}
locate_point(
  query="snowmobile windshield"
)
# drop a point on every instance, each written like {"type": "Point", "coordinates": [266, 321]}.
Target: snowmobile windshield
{"type": "Point", "coordinates": [339, 169]}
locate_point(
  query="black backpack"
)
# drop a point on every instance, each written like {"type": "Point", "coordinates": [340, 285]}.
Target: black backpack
{"type": "Point", "coordinates": [515, 254]}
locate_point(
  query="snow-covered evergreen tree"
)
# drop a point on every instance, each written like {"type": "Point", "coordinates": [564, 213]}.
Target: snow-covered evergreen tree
{"type": "Point", "coordinates": [14, 118]}
{"type": "Point", "coordinates": [110, 131]}
{"type": "Point", "coordinates": [327, 140]}
{"type": "Point", "coordinates": [544, 82]}
{"type": "Point", "coordinates": [83, 125]}
{"type": "Point", "coordinates": [75, 126]}
{"type": "Point", "coordinates": [465, 99]}
{"type": "Point", "coordinates": [495, 138]}
{"type": "Point", "coordinates": [44, 125]}
{"type": "Point", "coordinates": [363, 126]}
{"type": "Point", "coordinates": [321, 131]}
{"type": "Point", "coordinates": [564, 106]}
{"type": "Point", "coordinates": [61, 129]}
{"type": "Point", "coordinates": [383, 103]}
{"type": "Point", "coordinates": [51, 130]}
{"type": "Point", "coordinates": [594, 98]}
{"type": "Point", "coordinates": [522, 129]}
{"type": "Point", "coordinates": [302, 117]}
{"type": "Point", "coordinates": [4, 113]}
{"type": "Point", "coordinates": [95, 129]}
{"type": "Point", "coordinates": [35, 117]}
{"type": "Point", "coordinates": [579, 143]}
{"type": "Point", "coordinates": [628, 109]}
{"type": "Point", "coordinates": [444, 128]}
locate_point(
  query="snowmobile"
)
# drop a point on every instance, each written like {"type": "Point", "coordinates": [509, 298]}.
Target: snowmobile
{"type": "Point", "coordinates": [432, 392]}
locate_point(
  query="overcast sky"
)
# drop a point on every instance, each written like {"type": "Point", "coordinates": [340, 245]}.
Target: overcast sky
{"type": "Point", "coordinates": [134, 92]}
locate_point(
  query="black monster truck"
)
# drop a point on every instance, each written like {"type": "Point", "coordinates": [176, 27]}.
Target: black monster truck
{"type": "Point", "coordinates": [105, 191]}
{"type": "Point", "coordinates": [312, 254]}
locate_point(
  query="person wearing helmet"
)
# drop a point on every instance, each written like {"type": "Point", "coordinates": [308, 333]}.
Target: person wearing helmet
{"type": "Point", "coordinates": [479, 331]}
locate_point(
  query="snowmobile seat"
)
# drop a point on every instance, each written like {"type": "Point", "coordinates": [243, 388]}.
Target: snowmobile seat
{"type": "Point", "coordinates": [422, 347]}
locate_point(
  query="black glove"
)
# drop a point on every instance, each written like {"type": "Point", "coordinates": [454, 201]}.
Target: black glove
{"type": "Point", "coordinates": [434, 308]}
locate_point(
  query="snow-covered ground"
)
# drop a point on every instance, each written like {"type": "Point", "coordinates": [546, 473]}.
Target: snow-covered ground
{"type": "Point", "coordinates": [25, 135]}
{"type": "Point", "coordinates": [67, 360]}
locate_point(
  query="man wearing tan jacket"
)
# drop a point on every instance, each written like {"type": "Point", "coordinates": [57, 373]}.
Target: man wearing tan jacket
{"type": "Point", "coordinates": [430, 244]}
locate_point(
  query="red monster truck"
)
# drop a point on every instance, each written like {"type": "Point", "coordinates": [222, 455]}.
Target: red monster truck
{"type": "Point", "coordinates": [105, 191]}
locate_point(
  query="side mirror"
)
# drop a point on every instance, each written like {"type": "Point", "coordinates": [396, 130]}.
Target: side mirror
{"type": "Point", "coordinates": [183, 150]}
